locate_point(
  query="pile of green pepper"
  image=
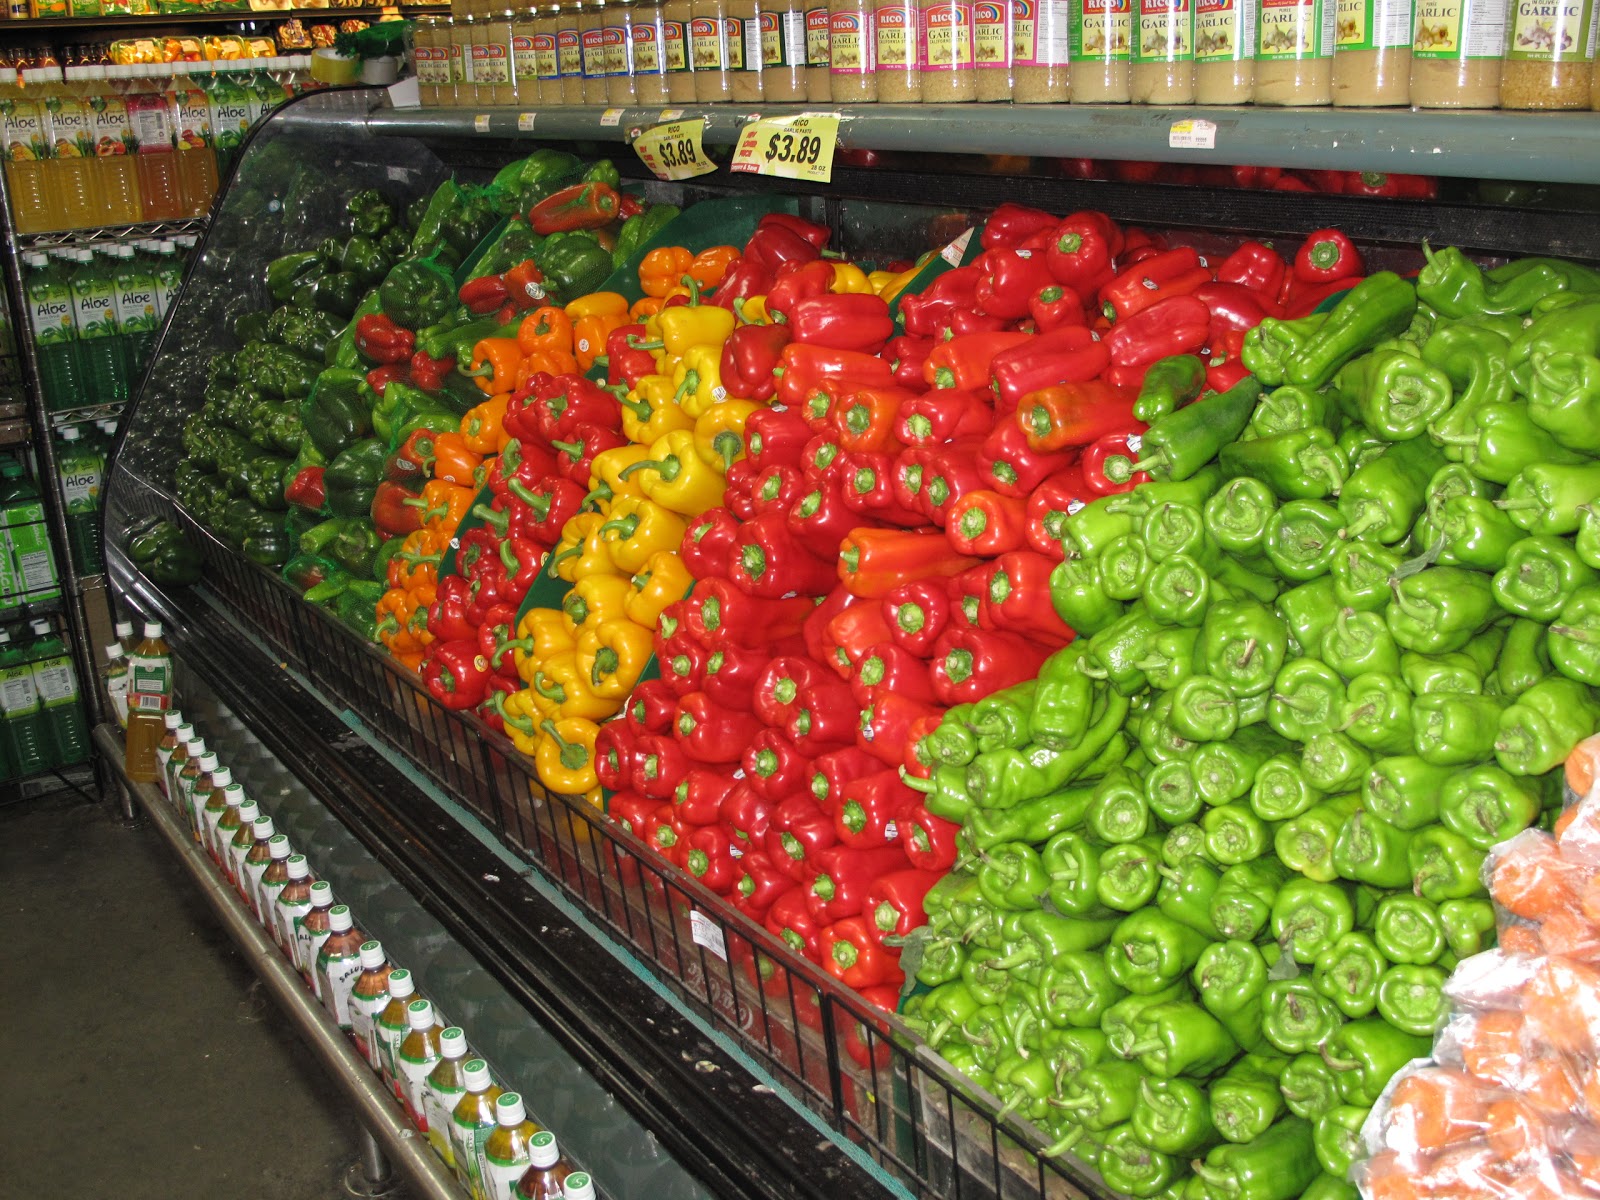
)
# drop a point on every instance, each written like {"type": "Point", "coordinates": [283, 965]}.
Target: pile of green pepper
{"type": "Point", "coordinates": [1220, 856]}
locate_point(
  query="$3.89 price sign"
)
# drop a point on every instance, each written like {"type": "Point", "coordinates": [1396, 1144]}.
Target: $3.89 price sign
{"type": "Point", "coordinates": [674, 150]}
{"type": "Point", "coordinates": [798, 147]}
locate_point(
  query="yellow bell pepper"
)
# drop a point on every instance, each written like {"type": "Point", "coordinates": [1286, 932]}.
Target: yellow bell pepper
{"type": "Point", "coordinates": [650, 411]}
{"type": "Point", "coordinates": [522, 713]}
{"type": "Point", "coordinates": [638, 528]}
{"type": "Point", "coordinates": [541, 634]}
{"type": "Point", "coordinates": [849, 279]}
{"type": "Point", "coordinates": [598, 304]}
{"type": "Point", "coordinates": [565, 756]}
{"type": "Point", "coordinates": [752, 310]}
{"type": "Point", "coordinates": [880, 280]}
{"type": "Point", "coordinates": [896, 284]}
{"type": "Point", "coordinates": [605, 474]}
{"type": "Point", "coordinates": [694, 325]}
{"type": "Point", "coordinates": [719, 433]}
{"type": "Point", "coordinates": [563, 685]}
{"type": "Point", "coordinates": [675, 478]}
{"type": "Point", "coordinates": [698, 382]}
{"type": "Point", "coordinates": [613, 656]}
{"type": "Point", "coordinates": [593, 600]}
{"type": "Point", "coordinates": [580, 552]}
{"type": "Point", "coordinates": [663, 580]}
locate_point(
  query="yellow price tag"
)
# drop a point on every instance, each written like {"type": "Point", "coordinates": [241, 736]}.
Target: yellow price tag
{"type": "Point", "coordinates": [798, 147]}
{"type": "Point", "coordinates": [673, 150]}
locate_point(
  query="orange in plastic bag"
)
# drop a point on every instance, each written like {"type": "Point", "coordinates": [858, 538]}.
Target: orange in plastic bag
{"type": "Point", "coordinates": [1562, 1005]}
{"type": "Point", "coordinates": [1439, 1107]}
{"type": "Point", "coordinates": [1514, 1127]}
{"type": "Point", "coordinates": [1531, 879]}
{"type": "Point", "coordinates": [1491, 1045]}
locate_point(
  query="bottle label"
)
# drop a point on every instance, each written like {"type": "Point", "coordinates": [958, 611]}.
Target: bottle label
{"type": "Point", "coordinates": [71, 128]}
{"type": "Point", "coordinates": [788, 40]}
{"type": "Point", "coordinates": [705, 43]}
{"type": "Point", "coordinates": [364, 1012]}
{"type": "Point", "coordinates": [675, 45]}
{"type": "Point", "coordinates": [500, 1177]}
{"type": "Point", "coordinates": [646, 40]}
{"type": "Point", "coordinates": [19, 695]}
{"type": "Point", "coordinates": [52, 315]}
{"type": "Point", "coordinates": [267, 906]}
{"type": "Point", "coordinates": [113, 132]}
{"type": "Point", "coordinates": [1455, 29]}
{"type": "Point", "coordinates": [468, 1142]}
{"type": "Point", "coordinates": [594, 54]}
{"type": "Point", "coordinates": [389, 1038]}
{"type": "Point", "coordinates": [946, 35]}
{"type": "Point", "coordinates": [414, 1078]}
{"type": "Point", "coordinates": [438, 1103]}
{"type": "Point", "coordinates": [525, 58]}
{"type": "Point", "coordinates": [117, 693]}
{"type": "Point", "coordinates": [1295, 29]}
{"type": "Point", "coordinates": [80, 487]}
{"type": "Point", "coordinates": [35, 569]}
{"type": "Point", "coordinates": [136, 307]}
{"type": "Point", "coordinates": [195, 128]}
{"type": "Point", "coordinates": [96, 301]}
{"type": "Point", "coordinates": [1104, 32]}
{"type": "Point", "coordinates": [336, 977]}
{"type": "Point", "coordinates": [56, 682]}
{"type": "Point", "coordinates": [1165, 32]}
{"type": "Point", "coordinates": [24, 132]}
{"type": "Point", "coordinates": [1371, 24]}
{"type": "Point", "coordinates": [1224, 30]}
{"type": "Point", "coordinates": [232, 120]}
{"type": "Point", "coordinates": [618, 49]}
{"type": "Point", "coordinates": [569, 51]}
{"type": "Point", "coordinates": [816, 37]}
{"type": "Point", "coordinates": [149, 683]}
{"type": "Point", "coordinates": [991, 33]}
{"type": "Point", "coordinates": [491, 64]}
{"type": "Point", "coordinates": [250, 884]}
{"type": "Point", "coordinates": [307, 944]}
{"type": "Point", "coordinates": [290, 913]}
{"type": "Point", "coordinates": [546, 63]}
{"type": "Point", "coordinates": [851, 43]}
{"type": "Point", "coordinates": [433, 65]}
{"type": "Point", "coordinates": [896, 25]}
{"type": "Point", "coordinates": [733, 42]}
{"type": "Point", "coordinates": [1551, 30]}
{"type": "Point", "coordinates": [458, 63]}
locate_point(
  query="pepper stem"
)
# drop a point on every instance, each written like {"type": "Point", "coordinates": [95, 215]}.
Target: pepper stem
{"type": "Point", "coordinates": [574, 756]}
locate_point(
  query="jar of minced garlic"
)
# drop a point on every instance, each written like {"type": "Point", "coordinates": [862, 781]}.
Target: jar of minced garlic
{"type": "Point", "coordinates": [1102, 45]}
{"type": "Point", "coordinates": [1549, 55]}
{"type": "Point", "coordinates": [819, 83]}
{"type": "Point", "coordinates": [1294, 52]}
{"type": "Point", "coordinates": [596, 62]}
{"type": "Point", "coordinates": [783, 51]}
{"type": "Point", "coordinates": [617, 35]}
{"type": "Point", "coordinates": [1224, 51]}
{"type": "Point", "coordinates": [649, 63]}
{"type": "Point", "coordinates": [676, 17]}
{"type": "Point", "coordinates": [1162, 70]}
{"type": "Point", "coordinates": [946, 51]}
{"type": "Point", "coordinates": [745, 29]}
{"type": "Point", "coordinates": [992, 48]}
{"type": "Point", "coordinates": [569, 51]}
{"type": "Point", "coordinates": [895, 26]}
{"type": "Point", "coordinates": [1372, 53]}
{"type": "Point", "coordinates": [708, 43]}
{"type": "Point", "coordinates": [852, 43]}
{"type": "Point", "coordinates": [1456, 53]}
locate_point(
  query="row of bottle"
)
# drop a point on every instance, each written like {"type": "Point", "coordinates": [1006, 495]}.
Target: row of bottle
{"type": "Point", "coordinates": [90, 146]}
{"type": "Point", "coordinates": [29, 575]}
{"type": "Point", "coordinates": [1351, 53]}
{"type": "Point", "coordinates": [481, 1131]}
{"type": "Point", "coordinates": [42, 721]}
{"type": "Point", "coordinates": [94, 309]}
{"type": "Point", "coordinates": [81, 454]}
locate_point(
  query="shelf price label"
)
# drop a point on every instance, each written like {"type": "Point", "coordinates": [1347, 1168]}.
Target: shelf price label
{"type": "Point", "coordinates": [674, 150]}
{"type": "Point", "coordinates": [797, 147]}
{"type": "Point", "coordinates": [1198, 134]}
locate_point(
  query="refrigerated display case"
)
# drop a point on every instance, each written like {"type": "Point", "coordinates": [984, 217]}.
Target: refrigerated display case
{"type": "Point", "coordinates": [675, 1001]}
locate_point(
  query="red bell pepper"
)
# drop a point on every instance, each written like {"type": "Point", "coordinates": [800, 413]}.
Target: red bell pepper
{"type": "Point", "coordinates": [1073, 354]}
{"type": "Point", "coordinates": [616, 752]}
{"type": "Point", "coordinates": [1009, 464]}
{"type": "Point", "coordinates": [906, 354]}
{"type": "Point", "coordinates": [700, 794]}
{"type": "Point", "coordinates": [707, 546]}
{"type": "Point", "coordinates": [866, 818]}
{"type": "Point", "coordinates": [804, 369]}
{"type": "Point", "coordinates": [1049, 506]}
{"type": "Point", "coordinates": [824, 720]}
{"type": "Point", "coordinates": [381, 377]}
{"type": "Point", "coordinates": [887, 665]}
{"type": "Point", "coordinates": [411, 462]}
{"type": "Point", "coordinates": [731, 673]}
{"type": "Point", "coordinates": [777, 690]}
{"type": "Point", "coordinates": [809, 231]}
{"type": "Point", "coordinates": [758, 885]}
{"type": "Point", "coordinates": [773, 767]}
{"type": "Point", "coordinates": [747, 813]}
{"type": "Point", "coordinates": [1091, 465]}
{"type": "Point", "coordinates": [683, 663]}
{"type": "Point", "coordinates": [914, 759]}
{"type": "Point", "coordinates": [1056, 306]}
{"type": "Point", "coordinates": [851, 956]}
{"type": "Point", "coordinates": [868, 480]}
{"type": "Point", "coordinates": [775, 490]}
{"type": "Point", "coordinates": [965, 362]}
{"type": "Point", "coordinates": [770, 562]}
{"type": "Point", "coordinates": [851, 634]}
{"type": "Point", "coordinates": [524, 283]}
{"type": "Point", "coordinates": [498, 627]}
{"type": "Point", "coordinates": [1010, 280]}
{"type": "Point", "coordinates": [886, 723]}
{"type": "Point", "coordinates": [748, 358]}
{"type": "Point", "coordinates": [592, 205]}
{"type": "Point", "coordinates": [842, 322]}
{"type": "Point", "coordinates": [624, 364]}
{"type": "Point", "coordinates": [632, 812]}
{"type": "Point", "coordinates": [873, 561]}
{"type": "Point", "coordinates": [522, 560]}
{"type": "Point", "coordinates": [562, 404]}
{"type": "Point", "coordinates": [651, 708]}
{"type": "Point", "coordinates": [1257, 268]}
{"type": "Point", "coordinates": [710, 733]}
{"type": "Point", "coordinates": [1235, 310]}
{"type": "Point", "coordinates": [929, 841]}
{"type": "Point", "coordinates": [910, 477]}
{"type": "Point", "coordinates": [821, 519]}
{"type": "Point", "coordinates": [790, 920]}
{"type": "Point", "coordinates": [1081, 251]}
{"type": "Point", "coordinates": [1011, 224]}
{"type": "Point", "coordinates": [710, 859]}
{"type": "Point", "coordinates": [1152, 280]}
{"type": "Point", "coordinates": [380, 340]}
{"type": "Point", "coordinates": [893, 905]}
{"type": "Point", "coordinates": [1222, 375]}
{"type": "Point", "coordinates": [774, 436]}
{"type": "Point", "coordinates": [660, 763]}
{"type": "Point", "coordinates": [746, 278]}
{"type": "Point", "coordinates": [1327, 255]}
{"type": "Point", "coordinates": [952, 473]}
{"type": "Point", "coordinates": [577, 450]}
{"type": "Point", "coordinates": [845, 873]}
{"type": "Point", "coordinates": [1070, 415]}
{"type": "Point", "coordinates": [1018, 599]}
{"type": "Point", "coordinates": [457, 675]}
{"type": "Point", "coordinates": [1175, 325]}
{"type": "Point", "coordinates": [832, 773]}
{"type": "Point", "coordinates": [865, 420]}
{"type": "Point", "coordinates": [969, 664]}
{"type": "Point", "coordinates": [483, 295]}
{"type": "Point", "coordinates": [928, 311]}
{"type": "Point", "coordinates": [815, 632]}
{"type": "Point", "coordinates": [430, 373]}
{"type": "Point", "coordinates": [985, 523]}
{"type": "Point", "coordinates": [797, 836]}
{"type": "Point", "coordinates": [666, 835]}
{"type": "Point", "coordinates": [447, 620]}
{"type": "Point", "coordinates": [822, 456]}
{"type": "Point", "coordinates": [546, 507]}
{"type": "Point", "coordinates": [917, 613]}
{"type": "Point", "coordinates": [307, 489]}
{"type": "Point", "coordinates": [795, 282]}
{"type": "Point", "coordinates": [946, 415]}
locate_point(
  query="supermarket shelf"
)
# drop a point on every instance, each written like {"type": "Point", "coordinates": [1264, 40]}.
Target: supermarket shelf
{"type": "Point", "coordinates": [14, 432]}
{"type": "Point", "coordinates": [14, 29]}
{"type": "Point", "coordinates": [379, 1112]}
{"type": "Point", "coordinates": [90, 412]}
{"type": "Point", "coordinates": [110, 233]}
{"type": "Point", "coordinates": [1555, 147]}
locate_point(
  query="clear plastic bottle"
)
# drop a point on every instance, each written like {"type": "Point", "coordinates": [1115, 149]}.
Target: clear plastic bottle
{"type": "Point", "coordinates": [136, 310]}
{"type": "Point", "coordinates": [27, 153]}
{"type": "Point", "coordinates": [253, 867]}
{"type": "Point", "coordinates": [196, 141]}
{"type": "Point", "coordinates": [339, 964]}
{"type": "Point", "coordinates": [149, 695]}
{"type": "Point", "coordinates": [578, 1186]}
{"type": "Point", "coordinates": [114, 679]}
{"type": "Point", "coordinates": [472, 1122]}
{"type": "Point", "coordinates": [1456, 54]}
{"type": "Point", "coordinates": [124, 633]}
{"type": "Point", "coordinates": [852, 43]}
{"type": "Point", "coordinates": [947, 51]}
{"type": "Point", "coordinates": [1101, 50]}
{"type": "Point", "coordinates": [219, 805]}
{"type": "Point", "coordinates": [713, 55]}
{"type": "Point", "coordinates": [1163, 53]}
{"type": "Point", "coordinates": [443, 1089]}
{"type": "Point", "coordinates": [54, 321]}
{"type": "Point", "coordinates": [1224, 51]}
{"type": "Point", "coordinates": [94, 299]}
{"type": "Point", "coordinates": [391, 1026]}
{"type": "Point", "coordinates": [677, 19]}
{"type": "Point", "coordinates": [70, 131]}
{"type": "Point", "coordinates": [416, 1056]}
{"type": "Point", "coordinates": [80, 468]}
{"type": "Point", "coordinates": [526, 84]}
{"type": "Point", "coordinates": [273, 880]}
{"type": "Point", "coordinates": [546, 1172]}
{"type": "Point", "coordinates": [368, 998]}
{"type": "Point", "coordinates": [27, 742]}
{"type": "Point", "coordinates": [182, 769]}
{"type": "Point", "coordinates": [895, 54]}
{"type": "Point", "coordinates": [596, 63]}
{"type": "Point", "coordinates": [616, 37]}
{"type": "Point", "coordinates": [649, 58]}
{"type": "Point", "coordinates": [242, 839]}
{"type": "Point", "coordinates": [56, 681]}
{"type": "Point", "coordinates": [151, 118]}
{"type": "Point", "coordinates": [172, 740]}
{"type": "Point", "coordinates": [311, 930]}
{"type": "Point", "coordinates": [569, 51]}
{"type": "Point", "coordinates": [293, 903]}
{"type": "Point", "coordinates": [1294, 53]}
{"type": "Point", "coordinates": [505, 1155]}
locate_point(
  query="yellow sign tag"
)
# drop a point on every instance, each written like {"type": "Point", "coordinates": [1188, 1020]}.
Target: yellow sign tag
{"type": "Point", "coordinates": [673, 150]}
{"type": "Point", "coordinates": [798, 147]}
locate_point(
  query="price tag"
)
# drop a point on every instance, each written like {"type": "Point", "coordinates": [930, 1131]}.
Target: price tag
{"type": "Point", "coordinates": [708, 933]}
{"type": "Point", "coordinates": [670, 114]}
{"type": "Point", "coordinates": [611, 116]}
{"type": "Point", "coordinates": [525, 122]}
{"type": "Point", "coordinates": [798, 147]}
{"type": "Point", "coordinates": [481, 122]}
{"type": "Point", "coordinates": [957, 250]}
{"type": "Point", "coordinates": [673, 150]}
{"type": "Point", "coordinates": [1198, 134]}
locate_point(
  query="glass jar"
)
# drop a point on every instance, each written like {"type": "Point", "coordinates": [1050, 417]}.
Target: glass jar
{"type": "Point", "coordinates": [675, 20]}
{"type": "Point", "coordinates": [784, 51]}
{"type": "Point", "coordinates": [569, 51]}
{"type": "Point", "coordinates": [546, 61]}
{"type": "Point", "coordinates": [708, 43]}
{"type": "Point", "coordinates": [819, 86]}
{"type": "Point", "coordinates": [992, 48]}
{"type": "Point", "coordinates": [1163, 53]}
{"type": "Point", "coordinates": [1456, 53]}
{"type": "Point", "coordinates": [1549, 55]}
{"type": "Point", "coordinates": [851, 44]}
{"type": "Point", "coordinates": [649, 63]}
{"type": "Point", "coordinates": [617, 46]}
{"type": "Point", "coordinates": [1224, 51]}
{"type": "Point", "coordinates": [1594, 87]}
{"type": "Point", "coordinates": [945, 51]}
{"type": "Point", "coordinates": [524, 60]}
{"type": "Point", "coordinates": [592, 40]}
{"type": "Point", "coordinates": [744, 27]}
{"type": "Point", "coordinates": [1294, 53]}
{"type": "Point", "coordinates": [461, 36]}
{"type": "Point", "coordinates": [1102, 45]}
{"type": "Point", "coordinates": [1372, 53]}
{"type": "Point", "coordinates": [492, 66]}
{"type": "Point", "coordinates": [431, 56]}
{"type": "Point", "coordinates": [894, 24]}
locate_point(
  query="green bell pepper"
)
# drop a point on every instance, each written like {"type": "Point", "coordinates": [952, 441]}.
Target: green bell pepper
{"type": "Point", "coordinates": [1564, 399]}
{"type": "Point", "coordinates": [1236, 517]}
{"type": "Point", "coordinates": [574, 265]}
{"type": "Point", "coordinates": [290, 272]}
{"type": "Point", "coordinates": [336, 414]}
{"type": "Point", "coordinates": [352, 477]}
{"type": "Point", "coordinates": [1078, 594]}
{"type": "Point", "coordinates": [1129, 874]}
{"type": "Point", "coordinates": [1072, 864]}
{"type": "Point", "coordinates": [417, 293]}
{"type": "Point", "coordinates": [1186, 892]}
{"type": "Point", "coordinates": [638, 230]}
{"type": "Point", "coordinates": [1445, 866]}
{"type": "Point", "coordinates": [1440, 609]}
{"type": "Point", "coordinates": [1469, 532]}
{"type": "Point", "coordinates": [1171, 1117]}
{"type": "Point", "coordinates": [1303, 539]}
{"type": "Point", "coordinates": [1308, 916]}
{"type": "Point", "coordinates": [1172, 792]}
{"type": "Point", "coordinates": [1149, 951]}
{"type": "Point", "coordinates": [165, 555]}
{"type": "Point", "coordinates": [1394, 393]}
{"type": "Point", "coordinates": [1373, 852]}
{"type": "Point", "coordinates": [1302, 464]}
{"type": "Point", "coordinates": [1468, 926]}
{"type": "Point", "coordinates": [1309, 1086]}
{"type": "Point", "coordinates": [1454, 729]}
{"type": "Point", "coordinates": [1117, 811]}
{"type": "Point", "coordinates": [1075, 989]}
{"type": "Point", "coordinates": [1380, 306]}
{"type": "Point", "coordinates": [1235, 835]}
{"type": "Point", "coordinates": [1408, 929]}
{"type": "Point", "coordinates": [1243, 643]}
{"type": "Point", "coordinates": [1033, 821]}
{"type": "Point", "coordinates": [1061, 701]}
{"type": "Point", "coordinates": [1486, 804]}
{"type": "Point", "coordinates": [1308, 610]}
{"type": "Point", "coordinates": [1365, 1055]}
{"type": "Point", "coordinates": [1118, 1021]}
{"type": "Point", "coordinates": [1227, 771]}
{"type": "Point", "coordinates": [1242, 906]}
{"type": "Point", "coordinates": [1245, 1100]}
{"type": "Point", "coordinates": [401, 407]}
{"type": "Point", "coordinates": [1411, 998]}
{"type": "Point", "coordinates": [1280, 791]}
{"type": "Point", "coordinates": [1011, 876]}
{"type": "Point", "coordinates": [1181, 1038]}
{"type": "Point", "coordinates": [1132, 1168]}
{"type": "Point", "coordinates": [1278, 1165]}
{"type": "Point", "coordinates": [1384, 498]}
{"type": "Point", "coordinates": [1295, 1017]}
{"type": "Point", "coordinates": [1347, 973]}
{"type": "Point", "coordinates": [1523, 660]}
{"type": "Point", "coordinates": [1337, 1138]}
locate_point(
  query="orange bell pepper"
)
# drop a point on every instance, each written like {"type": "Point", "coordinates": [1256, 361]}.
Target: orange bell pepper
{"type": "Point", "coordinates": [483, 425]}
{"type": "Point", "coordinates": [662, 269]}
{"type": "Point", "coordinates": [589, 336]}
{"type": "Point", "coordinates": [548, 362]}
{"type": "Point", "coordinates": [397, 629]}
{"type": "Point", "coordinates": [711, 265]}
{"type": "Point", "coordinates": [455, 461]}
{"type": "Point", "coordinates": [417, 561]}
{"type": "Point", "coordinates": [495, 362]}
{"type": "Point", "coordinates": [444, 504]}
{"type": "Point", "coordinates": [646, 308]}
{"type": "Point", "coordinates": [547, 328]}
{"type": "Point", "coordinates": [598, 304]}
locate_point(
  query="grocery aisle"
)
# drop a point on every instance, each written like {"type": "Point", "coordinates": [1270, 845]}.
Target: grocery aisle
{"type": "Point", "coordinates": [126, 1005]}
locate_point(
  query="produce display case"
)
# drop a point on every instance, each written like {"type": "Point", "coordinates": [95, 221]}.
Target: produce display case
{"type": "Point", "coordinates": [901, 1121]}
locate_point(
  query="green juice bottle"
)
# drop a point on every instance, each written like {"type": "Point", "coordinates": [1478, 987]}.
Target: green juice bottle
{"type": "Point", "coordinates": [27, 539]}
{"type": "Point", "coordinates": [57, 684]}
{"type": "Point", "coordinates": [55, 330]}
{"type": "Point", "coordinates": [81, 468]}
{"type": "Point", "coordinates": [99, 337]}
{"type": "Point", "coordinates": [21, 714]}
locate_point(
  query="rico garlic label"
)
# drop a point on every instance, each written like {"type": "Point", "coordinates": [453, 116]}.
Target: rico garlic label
{"type": "Point", "coordinates": [897, 30]}
{"type": "Point", "coordinates": [1371, 24]}
{"type": "Point", "coordinates": [946, 35]}
{"type": "Point", "coordinates": [1460, 29]}
{"type": "Point", "coordinates": [1292, 29]}
{"type": "Point", "coordinates": [1224, 30]}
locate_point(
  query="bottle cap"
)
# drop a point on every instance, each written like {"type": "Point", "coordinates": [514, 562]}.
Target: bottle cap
{"type": "Point", "coordinates": [186, 734]}
{"type": "Point", "coordinates": [475, 1073]}
{"type": "Point", "coordinates": [299, 866]}
{"type": "Point", "coordinates": [196, 746]}
{"type": "Point", "coordinates": [172, 719]}
{"type": "Point", "coordinates": [419, 1014]}
{"type": "Point", "coordinates": [278, 845]}
{"type": "Point", "coordinates": [263, 828]}
{"type": "Point", "coordinates": [453, 1042]}
{"type": "Point", "coordinates": [508, 1109]}
{"type": "Point", "coordinates": [221, 777]}
{"type": "Point", "coordinates": [578, 1187]}
{"type": "Point", "coordinates": [123, 629]}
{"type": "Point", "coordinates": [209, 761]}
{"type": "Point", "coordinates": [233, 794]}
{"type": "Point", "coordinates": [248, 812]}
{"type": "Point", "coordinates": [542, 1149]}
{"type": "Point", "coordinates": [339, 920]}
{"type": "Point", "coordinates": [322, 893]}
{"type": "Point", "coordinates": [401, 984]}
{"type": "Point", "coordinates": [152, 629]}
{"type": "Point", "coordinates": [372, 956]}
